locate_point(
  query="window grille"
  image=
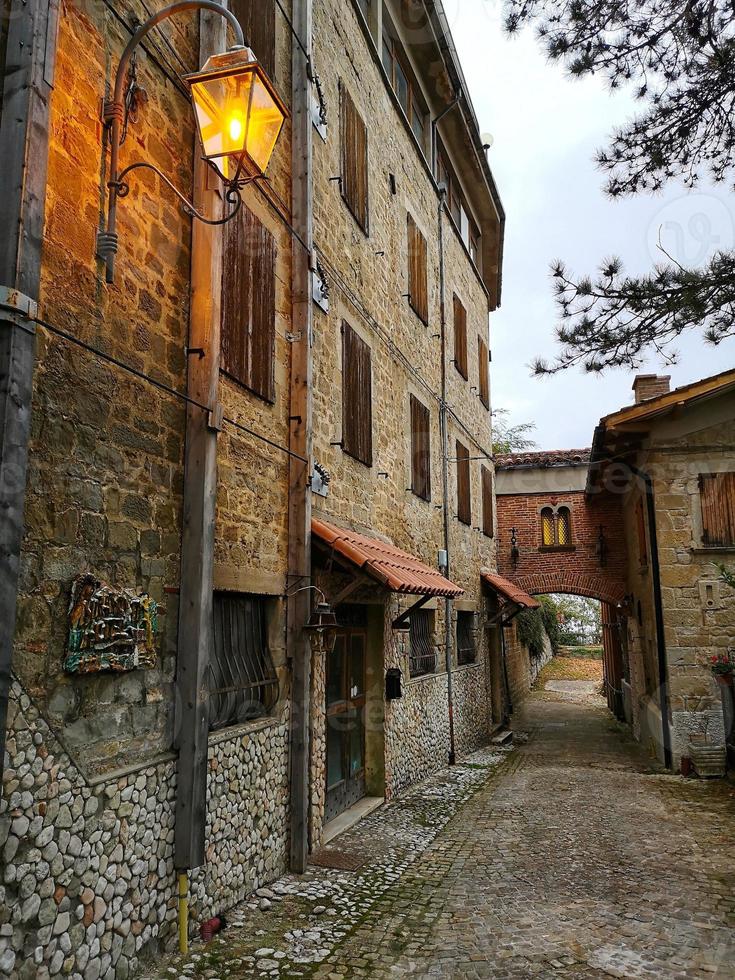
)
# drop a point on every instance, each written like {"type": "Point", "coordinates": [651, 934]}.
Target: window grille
{"type": "Point", "coordinates": [422, 658]}
{"type": "Point", "coordinates": [563, 527]}
{"type": "Point", "coordinates": [466, 650]}
{"type": "Point", "coordinates": [556, 527]}
{"type": "Point", "coordinates": [242, 679]}
{"type": "Point", "coordinates": [547, 527]}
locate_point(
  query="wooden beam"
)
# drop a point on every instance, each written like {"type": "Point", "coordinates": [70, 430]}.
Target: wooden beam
{"type": "Point", "coordinates": [300, 433]}
{"type": "Point", "coordinates": [28, 74]}
{"type": "Point", "coordinates": [196, 628]}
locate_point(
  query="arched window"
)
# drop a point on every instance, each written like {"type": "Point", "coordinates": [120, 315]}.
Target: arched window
{"type": "Point", "coordinates": [563, 527]}
{"type": "Point", "coordinates": [556, 527]}
{"type": "Point", "coordinates": [547, 527]}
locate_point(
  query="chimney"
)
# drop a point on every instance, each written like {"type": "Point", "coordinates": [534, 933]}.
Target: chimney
{"type": "Point", "coordinates": [648, 386]}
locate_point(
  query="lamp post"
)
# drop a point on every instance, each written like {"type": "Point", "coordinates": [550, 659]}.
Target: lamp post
{"type": "Point", "coordinates": [239, 118]}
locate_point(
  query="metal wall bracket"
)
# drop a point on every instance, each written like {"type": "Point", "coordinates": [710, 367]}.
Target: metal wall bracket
{"type": "Point", "coordinates": [18, 309]}
{"type": "Point", "coordinates": [402, 620]}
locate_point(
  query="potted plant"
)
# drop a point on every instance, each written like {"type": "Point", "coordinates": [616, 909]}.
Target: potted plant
{"type": "Point", "coordinates": [723, 667]}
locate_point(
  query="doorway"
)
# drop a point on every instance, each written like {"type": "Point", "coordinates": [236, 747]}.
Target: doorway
{"type": "Point", "coordinates": [345, 719]}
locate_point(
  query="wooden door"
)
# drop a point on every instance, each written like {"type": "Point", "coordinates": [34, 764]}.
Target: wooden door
{"type": "Point", "coordinates": [345, 720]}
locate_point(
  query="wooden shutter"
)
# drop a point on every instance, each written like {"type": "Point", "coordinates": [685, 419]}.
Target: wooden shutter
{"type": "Point", "coordinates": [483, 362]}
{"type": "Point", "coordinates": [487, 503]}
{"type": "Point", "coordinates": [464, 497]}
{"type": "Point", "coordinates": [357, 397]}
{"type": "Point", "coordinates": [420, 450]}
{"type": "Point", "coordinates": [354, 160]}
{"type": "Point", "coordinates": [418, 286]}
{"type": "Point", "coordinates": [717, 496]}
{"type": "Point", "coordinates": [460, 337]}
{"type": "Point", "coordinates": [249, 304]}
{"type": "Point", "coordinates": [258, 20]}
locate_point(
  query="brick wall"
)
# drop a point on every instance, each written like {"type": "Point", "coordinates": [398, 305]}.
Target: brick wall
{"type": "Point", "coordinates": [574, 570]}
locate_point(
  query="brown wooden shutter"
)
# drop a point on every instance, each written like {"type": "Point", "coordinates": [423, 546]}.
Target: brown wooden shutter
{"type": "Point", "coordinates": [258, 20]}
{"type": "Point", "coordinates": [418, 286]}
{"type": "Point", "coordinates": [249, 304]}
{"type": "Point", "coordinates": [354, 160]}
{"type": "Point", "coordinates": [464, 495]}
{"type": "Point", "coordinates": [420, 450]}
{"type": "Point", "coordinates": [717, 496]}
{"type": "Point", "coordinates": [483, 361]}
{"type": "Point", "coordinates": [487, 503]}
{"type": "Point", "coordinates": [460, 337]}
{"type": "Point", "coordinates": [640, 521]}
{"type": "Point", "coordinates": [357, 397]}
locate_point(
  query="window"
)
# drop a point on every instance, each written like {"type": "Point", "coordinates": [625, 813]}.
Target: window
{"type": "Point", "coordinates": [422, 656]}
{"type": "Point", "coordinates": [483, 362]}
{"type": "Point", "coordinates": [242, 680]}
{"type": "Point", "coordinates": [460, 337]}
{"type": "Point", "coordinates": [464, 496]}
{"type": "Point", "coordinates": [259, 26]}
{"type": "Point", "coordinates": [404, 85]}
{"type": "Point", "coordinates": [488, 528]}
{"type": "Point", "coordinates": [466, 652]}
{"type": "Point", "coordinates": [418, 286]}
{"type": "Point", "coordinates": [556, 527]}
{"type": "Point", "coordinates": [357, 397]}
{"type": "Point", "coordinates": [248, 333]}
{"type": "Point", "coordinates": [640, 525]}
{"type": "Point", "coordinates": [457, 205]}
{"type": "Point", "coordinates": [420, 450]}
{"type": "Point", "coordinates": [717, 497]}
{"type": "Point", "coordinates": [354, 159]}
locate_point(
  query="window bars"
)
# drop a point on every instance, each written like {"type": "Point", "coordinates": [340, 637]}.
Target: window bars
{"type": "Point", "coordinates": [422, 656]}
{"type": "Point", "coordinates": [242, 679]}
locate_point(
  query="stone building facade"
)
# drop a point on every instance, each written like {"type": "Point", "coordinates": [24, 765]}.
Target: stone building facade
{"type": "Point", "coordinates": [88, 819]}
{"type": "Point", "coordinates": [670, 457]}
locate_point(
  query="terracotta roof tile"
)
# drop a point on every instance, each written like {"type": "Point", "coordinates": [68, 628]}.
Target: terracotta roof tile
{"type": "Point", "coordinates": [510, 591]}
{"type": "Point", "coordinates": [551, 457]}
{"type": "Point", "coordinates": [395, 569]}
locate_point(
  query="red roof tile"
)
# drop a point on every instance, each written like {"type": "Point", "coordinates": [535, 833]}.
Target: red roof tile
{"type": "Point", "coordinates": [549, 457]}
{"type": "Point", "coordinates": [510, 592]}
{"type": "Point", "coordinates": [393, 568]}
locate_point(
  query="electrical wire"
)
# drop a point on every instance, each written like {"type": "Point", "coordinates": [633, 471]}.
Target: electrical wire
{"type": "Point", "coordinates": [161, 385]}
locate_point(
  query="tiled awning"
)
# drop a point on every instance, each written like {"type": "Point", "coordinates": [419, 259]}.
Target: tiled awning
{"type": "Point", "coordinates": [391, 567]}
{"type": "Point", "coordinates": [507, 590]}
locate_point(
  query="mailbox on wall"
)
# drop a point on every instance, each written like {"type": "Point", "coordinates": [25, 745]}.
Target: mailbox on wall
{"type": "Point", "coordinates": [393, 684]}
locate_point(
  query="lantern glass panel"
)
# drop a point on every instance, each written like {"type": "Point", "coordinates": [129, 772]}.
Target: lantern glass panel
{"type": "Point", "coordinates": [236, 113]}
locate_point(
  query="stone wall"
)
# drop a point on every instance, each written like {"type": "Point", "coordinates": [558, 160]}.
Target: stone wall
{"type": "Point", "coordinates": [522, 668]}
{"type": "Point", "coordinates": [89, 880]}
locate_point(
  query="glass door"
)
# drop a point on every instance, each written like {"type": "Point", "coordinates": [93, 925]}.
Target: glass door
{"type": "Point", "coordinates": [345, 720]}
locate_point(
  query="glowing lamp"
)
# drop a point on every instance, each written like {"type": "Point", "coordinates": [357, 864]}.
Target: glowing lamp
{"type": "Point", "coordinates": [239, 113]}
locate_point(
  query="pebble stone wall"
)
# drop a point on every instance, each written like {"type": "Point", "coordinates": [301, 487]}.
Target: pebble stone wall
{"type": "Point", "coordinates": [88, 879]}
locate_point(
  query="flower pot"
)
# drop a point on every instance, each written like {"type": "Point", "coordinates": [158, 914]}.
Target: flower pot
{"type": "Point", "coordinates": [724, 680]}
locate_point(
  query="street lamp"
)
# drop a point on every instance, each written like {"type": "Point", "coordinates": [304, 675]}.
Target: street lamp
{"type": "Point", "coordinates": [239, 118]}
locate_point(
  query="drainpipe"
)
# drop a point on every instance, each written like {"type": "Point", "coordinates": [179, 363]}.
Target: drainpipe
{"type": "Point", "coordinates": [298, 607]}
{"type": "Point", "coordinates": [443, 425]}
{"type": "Point", "coordinates": [663, 677]}
{"type": "Point", "coordinates": [28, 73]}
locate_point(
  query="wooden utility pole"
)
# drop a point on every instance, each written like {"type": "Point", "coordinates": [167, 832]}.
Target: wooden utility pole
{"type": "Point", "coordinates": [300, 434]}
{"type": "Point", "coordinates": [28, 73]}
{"type": "Point", "coordinates": [196, 631]}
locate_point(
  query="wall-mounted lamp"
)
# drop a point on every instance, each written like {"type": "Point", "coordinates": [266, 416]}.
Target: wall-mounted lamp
{"type": "Point", "coordinates": [239, 119]}
{"type": "Point", "coordinates": [322, 628]}
{"type": "Point", "coordinates": [601, 548]}
{"type": "Point", "coordinates": [515, 551]}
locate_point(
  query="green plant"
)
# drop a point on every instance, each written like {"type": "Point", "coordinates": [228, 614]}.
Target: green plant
{"type": "Point", "coordinates": [727, 575]}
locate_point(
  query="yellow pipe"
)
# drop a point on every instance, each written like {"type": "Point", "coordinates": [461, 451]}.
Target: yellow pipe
{"type": "Point", "coordinates": [184, 913]}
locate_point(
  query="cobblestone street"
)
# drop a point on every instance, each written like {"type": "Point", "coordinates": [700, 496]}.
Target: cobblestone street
{"type": "Point", "coordinates": [568, 856]}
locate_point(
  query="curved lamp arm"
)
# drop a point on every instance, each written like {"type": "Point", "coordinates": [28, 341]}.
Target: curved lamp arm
{"type": "Point", "coordinates": [114, 110]}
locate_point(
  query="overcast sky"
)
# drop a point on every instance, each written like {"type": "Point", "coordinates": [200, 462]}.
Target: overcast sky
{"type": "Point", "coordinates": [546, 128]}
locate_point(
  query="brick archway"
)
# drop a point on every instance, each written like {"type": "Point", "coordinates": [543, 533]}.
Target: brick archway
{"type": "Point", "coordinates": [584, 584]}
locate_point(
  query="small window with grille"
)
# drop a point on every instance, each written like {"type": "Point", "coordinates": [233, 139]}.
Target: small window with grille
{"type": "Point", "coordinates": [242, 679]}
{"type": "Point", "coordinates": [422, 656]}
{"type": "Point", "coordinates": [466, 650]}
{"type": "Point", "coordinates": [556, 527]}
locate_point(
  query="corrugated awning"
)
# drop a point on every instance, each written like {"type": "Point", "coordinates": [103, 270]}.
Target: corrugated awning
{"type": "Point", "coordinates": [391, 567]}
{"type": "Point", "coordinates": [510, 592]}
